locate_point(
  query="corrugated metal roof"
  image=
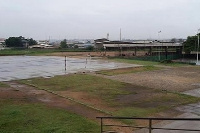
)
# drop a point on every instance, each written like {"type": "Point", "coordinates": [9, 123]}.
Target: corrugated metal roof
{"type": "Point", "coordinates": [143, 45]}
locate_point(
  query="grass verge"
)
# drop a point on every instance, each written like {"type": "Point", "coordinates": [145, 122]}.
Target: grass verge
{"type": "Point", "coordinates": [9, 52]}
{"type": "Point", "coordinates": [3, 85]}
{"type": "Point", "coordinates": [127, 70]}
{"type": "Point", "coordinates": [148, 63]}
{"type": "Point", "coordinates": [139, 62]}
{"type": "Point", "coordinates": [26, 117]}
{"type": "Point", "coordinates": [104, 88]}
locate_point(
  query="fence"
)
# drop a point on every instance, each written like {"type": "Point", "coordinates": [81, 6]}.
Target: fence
{"type": "Point", "coordinates": [150, 121]}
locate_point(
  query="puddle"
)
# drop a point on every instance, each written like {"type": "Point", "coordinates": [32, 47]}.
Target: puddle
{"type": "Point", "coordinates": [195, 92]}
{"type": "Point", "coordinates": [24, 67]}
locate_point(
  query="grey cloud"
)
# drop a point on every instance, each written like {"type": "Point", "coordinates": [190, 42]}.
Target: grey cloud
{"type": "Point", "coordinates": [138, 19]}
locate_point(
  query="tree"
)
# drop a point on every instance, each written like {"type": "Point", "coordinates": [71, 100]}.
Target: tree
{"type": "Point", "coordinates": [173, 40]}
{"type": "Point", "coordinates": [190, 44]}
{"type": "Point", "coordinates": [14, 42]}
{"type": "Point", "coordinates": [75, 46]}
{"type": "Point", "coordinates": [63, 44]}
{"type": "Point", "coordinates": [91, 48]}
{"type": "Point", "coordinates": [32, 42]}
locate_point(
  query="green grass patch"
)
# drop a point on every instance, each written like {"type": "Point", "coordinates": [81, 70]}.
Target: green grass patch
{"type": "Point", "coordinates": [3, 85]}
{"type": "Point", "coordinates": [136, 112]}
{"type": "Point", "coordinates": [147, 63]}
{"type": "Point", "coordinates": [34, 118]}
{"type": "Point", "coordinates": [9, 52]}
{"type": "Point", "coordinates": [168, 99]}
{"type": "Point", "coordinates": [104, 88]}
{"type": "Point", "coordinates": [139, 62]}
{"type": "Point", "coordinates": [127, 70]}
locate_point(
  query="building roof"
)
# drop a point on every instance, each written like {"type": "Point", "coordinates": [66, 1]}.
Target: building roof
{"type": "Point", "coordinates": [101, 40]}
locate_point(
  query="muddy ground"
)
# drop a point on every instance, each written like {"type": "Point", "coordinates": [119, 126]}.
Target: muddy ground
{"type": "Point", "coordinates": [176, 79]}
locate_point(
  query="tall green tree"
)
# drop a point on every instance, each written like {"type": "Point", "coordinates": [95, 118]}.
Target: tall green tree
{"type": "Point", "coordinates": [31, 42]}
{"type": "Point", "coordinates": [14, 42]}
{"type": "Point", "coordinates": [63, 44]}
{"type": "Point", "coordinates": [190, 44]}
{"type": "Point", "coordinates": [91, 48]}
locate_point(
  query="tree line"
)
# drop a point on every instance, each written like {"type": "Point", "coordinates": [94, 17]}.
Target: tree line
{"type": "Point", "coordinates": [19, 42]}
{"type": "Point", "coordinates": [191, 44]}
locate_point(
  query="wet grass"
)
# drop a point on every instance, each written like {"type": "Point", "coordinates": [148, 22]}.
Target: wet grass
{"type": "Point", "coordinates": [128, 70]}
{"type": "Point", "coordinates": [3, 85]}
{"type": "Point", "coordinates": [12, 52]}
{"type": "Point", "coordinates": [148, 63]}
{"type": "Point", "coordinates": [105, 88]}
{"type": "Point", "coordinates": [147, 103]}
{"type": "Point", "coordinates": [34, 118]}
{"type": "Point", "coordinates": [139, 62]}
{"type": "Point", "coordinates": [150, 106]}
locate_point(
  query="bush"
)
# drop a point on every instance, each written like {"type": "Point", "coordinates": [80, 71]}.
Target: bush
{"type": "Point", "coordinates": [91, 48]}
{"type": "Point", "coordinates": [167, 61]}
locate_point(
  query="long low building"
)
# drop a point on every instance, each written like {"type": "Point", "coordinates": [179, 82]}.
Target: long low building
{"type": "Point", "coordinates": [114, 45]}
{"type": "Point", "coordinates": [2, 43]}
{"type": "Point", "coordinates": [150, 48]}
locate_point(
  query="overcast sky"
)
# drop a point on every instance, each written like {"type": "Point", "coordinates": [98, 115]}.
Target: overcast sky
{"type": "Point", "coordinates": [91, 19]}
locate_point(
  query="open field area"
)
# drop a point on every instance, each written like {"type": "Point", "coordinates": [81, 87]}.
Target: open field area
{"type": "Point", "coordinates": [63, 52]}
{"type": "Point", "coordinates": [117, 98]}
{"type": "Point", "coordinates": [154, 89]}
{"type": "Point", "coordinates": [127, 70]}
{"type": "Point", "coordinates": [34, 52]}
{"type": "Point", "coordinates": [22, 112]}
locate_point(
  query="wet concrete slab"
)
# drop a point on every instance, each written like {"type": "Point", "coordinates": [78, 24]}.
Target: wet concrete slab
{"type": "Point", "coordinates": [195, 92]}
{"type": "Point", "coordinates": [189, 125]}
{"type": "Point", "coordinates": [23, 67]}
{"type": "Point", "coordinates": [190, 108]}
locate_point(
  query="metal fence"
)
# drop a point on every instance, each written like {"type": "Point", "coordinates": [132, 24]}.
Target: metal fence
{"type": "Point", "coordinates": [150, 121]}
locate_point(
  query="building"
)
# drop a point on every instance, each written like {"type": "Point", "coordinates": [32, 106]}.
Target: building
{"type": "Point", "coordinates": [2, 43]}
{"type": "Point", "coordinates": [42, 44]}
{"type": "Point", "coordinates": [140, 48]}
{"type": "Point", "coordinates": [99, 43]}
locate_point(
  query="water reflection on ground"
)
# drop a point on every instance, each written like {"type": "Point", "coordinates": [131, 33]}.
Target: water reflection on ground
{"type": "Point", "coordinates": [23, 67]}
{"type": "Point", "coordinates": [189, 61]}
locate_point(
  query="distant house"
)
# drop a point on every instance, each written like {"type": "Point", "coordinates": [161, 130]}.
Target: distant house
{"type": "Point", "coordinates": [42, 44]}
{"type": "Point", "coordinates": [2, 43]}
{"type": "Point", "coordinates": [98, 43]}
{"type": "Point", "coordinates": [79, 45]}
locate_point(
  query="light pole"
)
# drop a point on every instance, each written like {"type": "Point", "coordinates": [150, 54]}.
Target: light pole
{"type": "Point", "coordinates": [159, 42]}
{"type": "Point", "coordinates": [198, 46]}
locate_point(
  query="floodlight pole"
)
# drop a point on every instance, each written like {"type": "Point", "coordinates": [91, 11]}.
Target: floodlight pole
{"type": "Point", "coordinates": [198, 46]}
{"type": "Point", "coordinates": [159, 42]}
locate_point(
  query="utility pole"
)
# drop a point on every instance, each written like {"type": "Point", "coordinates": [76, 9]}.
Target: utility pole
{"type": "Point", "coordinates": [159, 42]}
{"type": "Point", "coordinates": [120, 38]}
{"type": "Point", "coordinates": [107, 36]}
{"type": "Point", "coordinates": [120, 34]}
{"type": "Point", "coordinates": [198, 47]}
